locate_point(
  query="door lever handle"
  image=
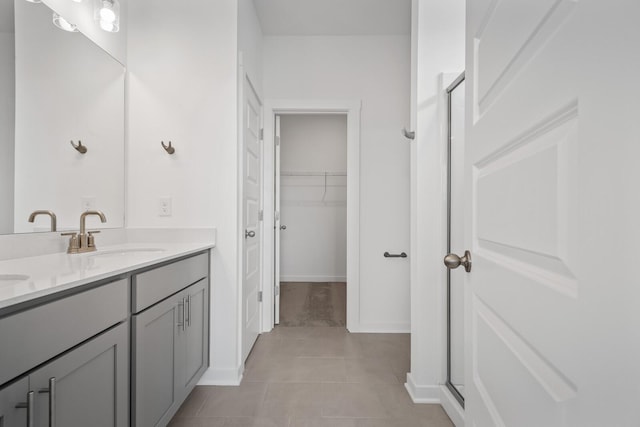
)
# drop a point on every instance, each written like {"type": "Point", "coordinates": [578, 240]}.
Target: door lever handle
{"type": "Point", "coordinates": [248, 233]}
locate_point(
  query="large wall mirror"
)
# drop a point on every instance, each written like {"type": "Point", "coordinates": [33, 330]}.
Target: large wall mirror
{"type": "Point", "coordinates": [57, 87]}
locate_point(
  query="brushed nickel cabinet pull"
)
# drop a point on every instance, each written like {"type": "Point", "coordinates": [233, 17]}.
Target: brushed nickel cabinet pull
{"type": "Point", "coordinates": [52, 400]}
{"type": "Point", "coordinates": [28, 405]}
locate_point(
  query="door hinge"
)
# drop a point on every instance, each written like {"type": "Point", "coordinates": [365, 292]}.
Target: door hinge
{"type": "Point", "coordinates": [277, 141]}
{"type": "Point", "coordinates": [262, 134]}
{"type": "Point", "coordinates": [261, 215]}
{"type": "Point", "coordinates": [259, 296]}
{"type": "Point", "coordinates": [277, 290]}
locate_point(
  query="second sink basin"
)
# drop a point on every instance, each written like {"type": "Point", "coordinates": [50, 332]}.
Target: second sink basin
{"type": "Point", "coordinates": [12, 279]}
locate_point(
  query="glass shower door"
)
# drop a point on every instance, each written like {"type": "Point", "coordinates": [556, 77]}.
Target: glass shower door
{"type": "Point", "coordinates": [455, 237]}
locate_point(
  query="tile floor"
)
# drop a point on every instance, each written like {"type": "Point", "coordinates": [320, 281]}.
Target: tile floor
{"type": "Point", "coordinates": [316, 377]}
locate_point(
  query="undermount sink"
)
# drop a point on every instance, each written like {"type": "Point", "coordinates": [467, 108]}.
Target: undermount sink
{"type": "Point", "coordinates": [125, 252]}
{"type": "Point", "coordinates": [12, 279]}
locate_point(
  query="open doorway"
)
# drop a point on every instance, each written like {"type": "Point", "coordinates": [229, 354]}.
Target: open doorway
{"type": "Point", "coordinates": [274, 111]}
{"type": "Point", "coordinates": [311, 241]}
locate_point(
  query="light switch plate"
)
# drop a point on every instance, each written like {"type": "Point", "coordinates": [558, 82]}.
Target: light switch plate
{"type": "Point", "coordinates": [164, 206]}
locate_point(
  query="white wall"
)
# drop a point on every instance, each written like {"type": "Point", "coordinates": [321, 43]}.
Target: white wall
{"type": "Point", "coordinates": [376, 70]}
{"type": "Point", "coordinates": [250, 42]}
{"type": "Point", "coordinates": [66, 89]}
{"type": "Point", "coordinates": [7, 122]}
{"type": "Point", "coordinates": [313, 248]}
{"type": "Point", "coordinates": [183, 86]}
{"type": "Point", "coordinates": [437, 47]}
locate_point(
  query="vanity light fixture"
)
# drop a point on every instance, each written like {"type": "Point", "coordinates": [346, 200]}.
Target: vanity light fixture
{"type": "Point", "coordinates": [63, 24]}
{"type": "Point", "coordinates": [34, 1]}
{"type": "Point", "coordinates": [107, 14]}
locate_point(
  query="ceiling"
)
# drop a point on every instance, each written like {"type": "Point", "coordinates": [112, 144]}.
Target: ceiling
{"type": "Point", "coordinates": [334, 17]}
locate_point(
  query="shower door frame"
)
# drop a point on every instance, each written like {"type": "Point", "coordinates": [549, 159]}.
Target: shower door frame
{"type": "Point", "coordinates": [454, 391]}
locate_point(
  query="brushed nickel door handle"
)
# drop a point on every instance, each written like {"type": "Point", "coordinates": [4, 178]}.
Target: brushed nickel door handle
{"type": "Point", "coordinates": [453, 261]}
{"type": "Point", "coordinates": [248, 233]}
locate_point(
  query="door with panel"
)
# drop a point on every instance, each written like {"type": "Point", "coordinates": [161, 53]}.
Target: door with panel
{"type": "Point", "coordinates": [252, 190]}
{"type": "Point", "coordinates": [195, 350]}
{"type": "Point", "coordinates": [551, 222]}
{"type": "Point", "coordinates": [89, 386]}
{"type": "Point", "coordinates": [17, 404]}
{"type": "Point", "coordinates": [155, 360]}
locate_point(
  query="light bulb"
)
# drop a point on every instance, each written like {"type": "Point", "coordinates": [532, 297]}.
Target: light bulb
{"type": "Point", "coordinates": [106, 12]}
{"type": "Point", "coordinates": [63, 24]}
{"type": "Point", "coordinates": [107, 26]}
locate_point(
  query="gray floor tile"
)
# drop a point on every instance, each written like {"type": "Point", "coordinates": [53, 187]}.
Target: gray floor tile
{"type": "Point", "coordinates": [352, 401]}
{"type": "Point", "coordinates": [197, 422]}
{"type": "Point", "coordinates": [241, 401]}
{"type": "Point", "coordinates": [293, 400]}
{"type": "Point", "coordinates": [316, 377]}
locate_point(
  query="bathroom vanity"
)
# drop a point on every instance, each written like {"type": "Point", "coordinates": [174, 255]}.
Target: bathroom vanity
{"type": "Point", "coordinates": [115, 338]}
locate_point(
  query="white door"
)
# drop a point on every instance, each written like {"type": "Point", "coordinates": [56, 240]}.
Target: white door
{"type": "Point", "coordinates": [277, 226]}
{"type": "Point", "coordinates": [252, 122]}
{"type": "Point", "coordinates": [552, 213]}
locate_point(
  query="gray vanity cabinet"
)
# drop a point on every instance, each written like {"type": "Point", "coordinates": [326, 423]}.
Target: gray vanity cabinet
{"type": "Point", "coordinates": [171, 340]}
{"type": "Point", "coordinates": [170, 356]}
{"type": "Point", "coordinates": [87, 386]}
{"type": "Point", "coordinates": [13, 403]}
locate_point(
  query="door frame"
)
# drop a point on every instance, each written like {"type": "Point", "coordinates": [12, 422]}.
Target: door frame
{"type": "Point", "coordinates": [351, 108]}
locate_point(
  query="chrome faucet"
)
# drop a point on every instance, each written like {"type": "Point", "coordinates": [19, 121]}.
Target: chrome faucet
{"type": "Point", "coordinates": [54, 220]}
{"type": "Point", "coordinates": [84, 241]}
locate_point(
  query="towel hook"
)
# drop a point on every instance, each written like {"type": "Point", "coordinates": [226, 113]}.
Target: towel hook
{"type": "Point", "coordinates": [80, 148]}
{"type": "Point", "coordinates": [408, 134]}
{"type": "Point", "coordinates": [168, 148]}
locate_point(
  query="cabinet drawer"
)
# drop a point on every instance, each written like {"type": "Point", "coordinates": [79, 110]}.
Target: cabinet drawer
{"type": "Point", "coordinates": [34, 336]}
{"type": "Point", "coordinates": [155, 285]}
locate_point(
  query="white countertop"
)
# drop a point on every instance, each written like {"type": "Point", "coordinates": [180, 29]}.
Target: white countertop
{"type": "Point", "coordinates": [52, 273]}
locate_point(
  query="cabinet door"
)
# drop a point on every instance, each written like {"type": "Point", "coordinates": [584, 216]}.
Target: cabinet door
{"type": "Point", "coordinates": [195, 339]}
{"type": "Point", "coordinates": [13, 404]}
{"type": "Point", "coordinates": [155, 359]}
{"type": "Point", "coordinates": [88, 386]}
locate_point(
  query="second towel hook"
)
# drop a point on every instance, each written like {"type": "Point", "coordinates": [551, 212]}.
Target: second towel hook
{"type": "Point", "coordinates": [408, 134]}
{"type": "Point", "coordinates": [82, 149]}
{"type": "Point", "coordinates": [168, 148]}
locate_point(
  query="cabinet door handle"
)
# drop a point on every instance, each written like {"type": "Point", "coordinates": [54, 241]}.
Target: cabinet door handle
{"type": "Point", "coordinates": [183, 324]}
{"type": "Point", "coordinates": [28, 405]}
{"type": "Point", "coordinates": [189, 315]}
{"type": "Point", "coordinates": [52, 400]}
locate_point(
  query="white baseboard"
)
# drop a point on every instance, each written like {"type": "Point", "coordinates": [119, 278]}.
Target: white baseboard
{"type": "Point", "coordinates": [380, 328]}
{"type": "Point", "coordinates": [313, 279]}
{"type": "Point", "coordinates": [213, 376]}
{"type": "Point", "coordinates": [451, 407]}
{"type": "Point", "coordinates": [422, 394]}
